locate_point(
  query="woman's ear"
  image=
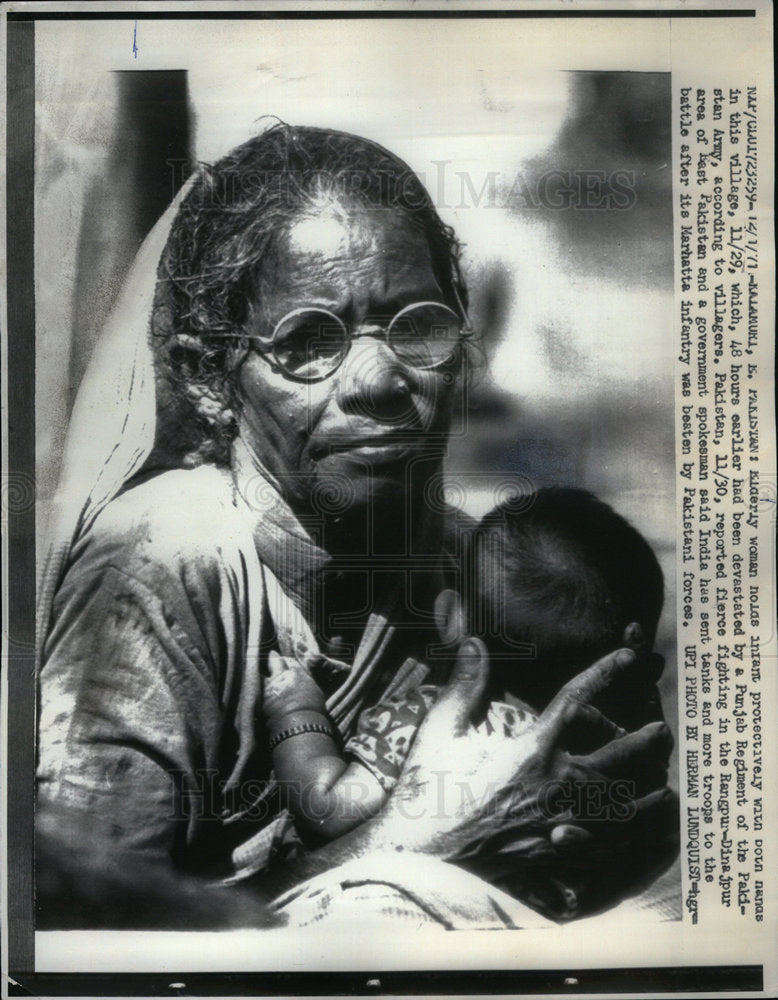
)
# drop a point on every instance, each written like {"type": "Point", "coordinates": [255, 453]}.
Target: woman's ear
{"type": "Point", "coordinates": [201, 373]}
{"type": "Point", "coordinates": [187, 355]}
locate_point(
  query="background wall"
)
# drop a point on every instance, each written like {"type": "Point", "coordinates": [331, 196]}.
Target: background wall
{"type": "Point", "coordinates": [575, 302]}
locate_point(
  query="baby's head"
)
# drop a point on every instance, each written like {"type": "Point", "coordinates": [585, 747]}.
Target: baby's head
{"type": "Point", "coordinates": [557, 584]}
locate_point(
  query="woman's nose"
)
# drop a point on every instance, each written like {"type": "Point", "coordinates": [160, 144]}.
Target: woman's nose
{"type": "Point", "coordinates": [374, 382]}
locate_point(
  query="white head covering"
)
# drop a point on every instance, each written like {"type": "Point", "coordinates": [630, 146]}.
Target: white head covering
{"type": "Point", "coordinates": [113, 424]}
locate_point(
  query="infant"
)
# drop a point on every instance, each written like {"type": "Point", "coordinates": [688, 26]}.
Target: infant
{"type": "Point", "coordinates": [553, 586]}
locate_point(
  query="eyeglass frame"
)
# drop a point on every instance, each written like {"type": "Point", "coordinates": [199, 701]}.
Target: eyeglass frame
{"type": "Point", "coordinates": [466, 331]}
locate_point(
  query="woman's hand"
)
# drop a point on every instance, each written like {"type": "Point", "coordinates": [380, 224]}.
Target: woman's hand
{"type": "Point", "coordinates": [556, 808]}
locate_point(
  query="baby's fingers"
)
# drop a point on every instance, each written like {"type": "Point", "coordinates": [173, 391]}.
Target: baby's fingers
{"type": "Point", "coordinates": [277, 664]}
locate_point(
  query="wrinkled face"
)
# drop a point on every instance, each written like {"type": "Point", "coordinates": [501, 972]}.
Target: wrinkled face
{"type": "Point", "coordinates": [361, 431]}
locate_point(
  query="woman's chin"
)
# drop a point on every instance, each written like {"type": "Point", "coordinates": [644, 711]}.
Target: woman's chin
{"type": "Point", "coordinates": [344, 488]}
{"type": "Point", "coordinates": [346, 484]}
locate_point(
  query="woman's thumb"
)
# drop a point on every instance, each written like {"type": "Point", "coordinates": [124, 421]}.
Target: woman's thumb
{"type": "Point", "coordinates": [460, 698]}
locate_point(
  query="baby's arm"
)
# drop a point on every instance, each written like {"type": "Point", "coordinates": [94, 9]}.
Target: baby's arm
{"type": "Point", "coordinates": [325, 794]}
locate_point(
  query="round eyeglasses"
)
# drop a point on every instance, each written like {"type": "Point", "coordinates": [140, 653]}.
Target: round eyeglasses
{"type": "Point", "coordinates": [310, 343]}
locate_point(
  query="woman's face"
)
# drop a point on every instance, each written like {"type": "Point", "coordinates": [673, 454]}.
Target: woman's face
{"type": "Point", "coordinates": [362, 430]}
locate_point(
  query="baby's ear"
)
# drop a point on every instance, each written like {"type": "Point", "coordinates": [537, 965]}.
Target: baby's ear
{"type": "Point", "coordinates": [450, 617]}
{"type": "Point", "coordinates": [634, 638]}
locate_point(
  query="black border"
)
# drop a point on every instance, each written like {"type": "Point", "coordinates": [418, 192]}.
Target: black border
{"type": "Point", "coordinates": [685, 979]}
{"type": "Point", "coordinates": [21, 598]}
{"type": "Point", "coordinates": [20, 153]}
{"type": "Point", "coordinates": [341, 15]}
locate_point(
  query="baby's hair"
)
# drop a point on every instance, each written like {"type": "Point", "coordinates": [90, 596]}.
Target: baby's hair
{"type": "Point", "coordinates": [576, 573]}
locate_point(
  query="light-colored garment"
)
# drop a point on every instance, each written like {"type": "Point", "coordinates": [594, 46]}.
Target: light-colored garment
{"type": "Point", "coordinates": [151, 673]}
{"type": "Point", "coordinates": [391, 892]}
{"type": "Point", "coordinates": [396, 891]}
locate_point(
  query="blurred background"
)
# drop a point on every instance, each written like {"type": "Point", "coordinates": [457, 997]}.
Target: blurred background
{"type": "Point", "coordinates": [549, 158]}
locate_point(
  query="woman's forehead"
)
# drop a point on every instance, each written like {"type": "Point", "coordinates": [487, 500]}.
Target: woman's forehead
{"type": "Point", "coordinates": [335, 249]}
{"type": "Point", "coordinates": [332, 234]}
{"type": "Point", "coordinates": [335, 230]}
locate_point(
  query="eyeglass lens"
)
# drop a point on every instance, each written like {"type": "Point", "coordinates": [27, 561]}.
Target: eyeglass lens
{"type": "Point", "coordinates": [310, 344]}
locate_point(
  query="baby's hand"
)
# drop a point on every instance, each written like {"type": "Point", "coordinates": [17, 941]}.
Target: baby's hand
{"type": "Point", "coordinates": [289, 688]}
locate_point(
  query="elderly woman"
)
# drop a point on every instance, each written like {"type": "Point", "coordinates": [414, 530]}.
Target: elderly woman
{"type": "Point", "coordinates": [249, 471]}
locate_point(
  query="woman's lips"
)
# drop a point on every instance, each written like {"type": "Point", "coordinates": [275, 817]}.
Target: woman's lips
{"type": "Point", "coordinates": [375, 448]}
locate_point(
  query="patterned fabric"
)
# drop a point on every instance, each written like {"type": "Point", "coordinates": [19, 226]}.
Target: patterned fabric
{"type": "Point", "coordinates": [507, 720]}
{"type": "Point", "coordinates": [385, 733]}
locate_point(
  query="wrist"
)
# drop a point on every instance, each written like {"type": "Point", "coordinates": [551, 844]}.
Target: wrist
{"type": "Point", "coordinates": [307, 729]}
{"type": "Point", "coordinates": [297, 718]}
